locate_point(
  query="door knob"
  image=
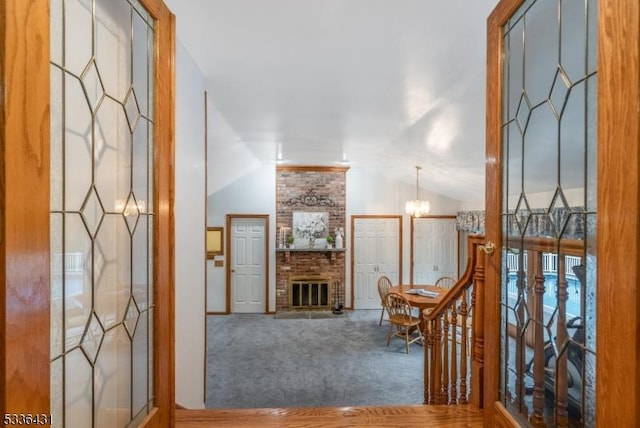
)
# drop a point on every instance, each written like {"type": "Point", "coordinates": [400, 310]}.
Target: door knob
{"type": "Point", "coordinates": [488, 248]}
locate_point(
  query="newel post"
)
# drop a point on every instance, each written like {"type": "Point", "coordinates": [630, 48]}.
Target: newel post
{"type": "Point", "coordinates": [477, 304]}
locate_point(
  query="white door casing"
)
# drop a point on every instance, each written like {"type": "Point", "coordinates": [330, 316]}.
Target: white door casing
{"type": "Point", "coordinates": [376, 253]}
{"type": "Point", "coordinates": [248, 268]}
{"type": "Point", "coordinates": [435, 249]}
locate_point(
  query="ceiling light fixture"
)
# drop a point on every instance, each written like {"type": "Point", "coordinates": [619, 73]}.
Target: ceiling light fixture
{"type": "Point", "coordinates": [417, 208]}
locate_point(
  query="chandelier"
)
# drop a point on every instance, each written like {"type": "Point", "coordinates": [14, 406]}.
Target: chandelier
{"type": "Point", "coordinates": [416, 207]}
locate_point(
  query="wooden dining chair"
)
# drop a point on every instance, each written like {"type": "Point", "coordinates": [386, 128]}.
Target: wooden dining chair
{"type": "Point", "coordinates": [384, 283]}
{"type": "Point", "coordinates": [445, 282]}
{"type": "Point", "coordinates": [402, 318]}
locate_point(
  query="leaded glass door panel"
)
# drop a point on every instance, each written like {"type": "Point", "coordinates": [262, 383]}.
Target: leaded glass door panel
{"type": "Point", "coordinates": [102, 212]}
{"type": "Point", "coordinates": [548, 212]}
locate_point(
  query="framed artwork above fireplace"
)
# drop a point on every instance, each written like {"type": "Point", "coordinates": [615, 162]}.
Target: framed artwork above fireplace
{"type": "Point", "coordinates": [308, 225]}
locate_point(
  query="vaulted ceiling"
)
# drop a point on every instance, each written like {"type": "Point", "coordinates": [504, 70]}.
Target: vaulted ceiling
{"type": "Point", "coordinates": [384, 84]}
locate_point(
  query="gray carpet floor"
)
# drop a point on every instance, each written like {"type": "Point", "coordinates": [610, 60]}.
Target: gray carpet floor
{"type": "Point", "coordinates": [256, 361]}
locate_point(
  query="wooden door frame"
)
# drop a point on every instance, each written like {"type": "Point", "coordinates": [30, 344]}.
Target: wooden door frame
{"type": "Point", "coordinates": [618, 242]}
{"type": "Point", "coordinates": [411, 249]}
{"type": "Point", "coordinates": [25, 205]}
{"type": "Point", "coordinates": [267, 239]}
{"type": "Point", "coordinates": [353, 248]}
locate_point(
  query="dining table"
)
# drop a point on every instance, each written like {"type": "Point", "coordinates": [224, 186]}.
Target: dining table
{"type": "Point", "coordinates": [416, 300]}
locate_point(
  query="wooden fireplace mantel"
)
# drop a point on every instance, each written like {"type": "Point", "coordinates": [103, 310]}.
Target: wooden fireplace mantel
{"type": "Point", "coordinates": [331, 251]}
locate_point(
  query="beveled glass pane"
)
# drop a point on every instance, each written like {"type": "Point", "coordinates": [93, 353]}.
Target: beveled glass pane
{"type": "Point", "coordinates": [150, 255]}
{"type": "Point", "coordinates": [57, 266]}
{"type": "Point", "coordinates": [77, 279]}
{"type": "Point", "coordinates": [140, 63]}
{"type": "Point", "coordinates": [142, 12]}
{"type": "Point", "coordinates": [150, 171]}
{"type": "Point", "coordinates": [573, 38]}
{"type": "Point", "coordinates": [592, 36]}
{"type": "Point", "coordinates": [592, 146]}
{"type": "Point", "coordinates": [56, 392]}
{"type": "Point", "coordinates": [140, 264]}
{"type": "Point", "coordinates": [78, 380]}
{"type": "Point", "coordinates": [151, 74]}
{"type": "Point", "coordinates": [140, 161]}
{"type": "Point", "coordinates": [112, 264]}
{"type": "Point", "coordinates": [78, 35]}
{"type": "Point", "coordinates": [77, 147]}
{"type": "Point", "coordinates": [151, 334]}
{"type": "Point", "coordinates": [513, 160]}
{"type": "Point", "coordinates": [541, 157]}
{"type": "Point", "coordinates": [113, 378]}
{"type": "Point", "coordinates": [541, 50]}
{"type": "Point", "coordinates": [590, 390]}
{"type": "Point", "coordinates": [57, 135]}
{"type": "Point", "coordinates": [113, 156]}
{"type": "Point", "coordinates": [113, 46]}
{"type": "Point", "coordinates": [572, 142]}
{"type": "Point", "coordinates": [140, 361]}
{"type": "Point", "coordinates": [56, 30]}
{"type": "Point", "coordinates": [514, 64]}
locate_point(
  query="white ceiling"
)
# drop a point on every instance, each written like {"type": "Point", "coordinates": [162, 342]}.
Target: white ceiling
{"type": "Point", "coordinates": [387, 84]}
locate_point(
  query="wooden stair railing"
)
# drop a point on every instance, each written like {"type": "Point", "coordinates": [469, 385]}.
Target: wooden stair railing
{"type": "Point", "coordinates": [452, 373]}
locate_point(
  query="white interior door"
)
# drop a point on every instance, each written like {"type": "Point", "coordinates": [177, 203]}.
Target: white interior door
{"type": "Point", "coordinates": [435, 249]}
{"type": "Point", "coordinates": [376, 253]}
{"type": "Point", "coordinates": [248, 270]}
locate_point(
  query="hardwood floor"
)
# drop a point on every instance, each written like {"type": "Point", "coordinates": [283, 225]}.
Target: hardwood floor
{"type": "Point", "coordinates": [334, 417]}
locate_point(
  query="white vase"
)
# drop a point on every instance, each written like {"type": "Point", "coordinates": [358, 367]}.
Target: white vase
{"type": "Point", "coordinates": [339, 241]}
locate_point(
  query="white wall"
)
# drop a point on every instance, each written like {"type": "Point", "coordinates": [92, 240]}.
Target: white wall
{"type": "Point", "coordinates": [189, 232]}
{"type": "Point", "coordinates": [252, 193]}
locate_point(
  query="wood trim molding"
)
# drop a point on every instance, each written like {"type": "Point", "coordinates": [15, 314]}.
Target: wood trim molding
{"type": "Point", "coordinates": [311, 168]}
{"type": "Point", "coordinates": [24, 207]}
{"type": "Point", "coordinates": [618, 243]}
{"type": "Point", "coordinates": [164, 253]}
{"type": "Point", "coordinates": [493, 199]}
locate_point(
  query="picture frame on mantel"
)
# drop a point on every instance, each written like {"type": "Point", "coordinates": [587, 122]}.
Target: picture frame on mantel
{"type": "Point", "coordinates": [215, 242]}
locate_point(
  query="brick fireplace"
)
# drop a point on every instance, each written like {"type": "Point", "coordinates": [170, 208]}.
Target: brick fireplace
{"type": "Point", "coordinates": [310, 189]}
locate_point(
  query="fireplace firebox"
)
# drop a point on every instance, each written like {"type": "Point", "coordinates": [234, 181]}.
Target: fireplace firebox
{"type": "Point", "coordinates": [309, 293]}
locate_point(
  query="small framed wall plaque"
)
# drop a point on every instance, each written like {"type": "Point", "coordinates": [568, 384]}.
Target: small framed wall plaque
{"type": "Point", "coordinates": [215, 242]}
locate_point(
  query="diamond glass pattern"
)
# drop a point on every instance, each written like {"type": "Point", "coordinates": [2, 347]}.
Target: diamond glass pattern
{"type": "Point", "coordinates": [559, 92]}
{"type": "Point", "coordinates": [92, 85]}
{"type": "Point", "coordinates": [92, 339]}
{"type": "Point", "coordinates": [92, 212]}
{"type": "Point", "coordinates": [523, 113]}
{"type": "Point", "coordinates": [132, 109]}
{"type": "Point", "coordinates": [132, 212]}
{"type": "Point", "coordinates": [559, 213]}
{"type": "Point", "coordinates": [131, 317]}
{"type": "Point", "coordinates": [523, 212]}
